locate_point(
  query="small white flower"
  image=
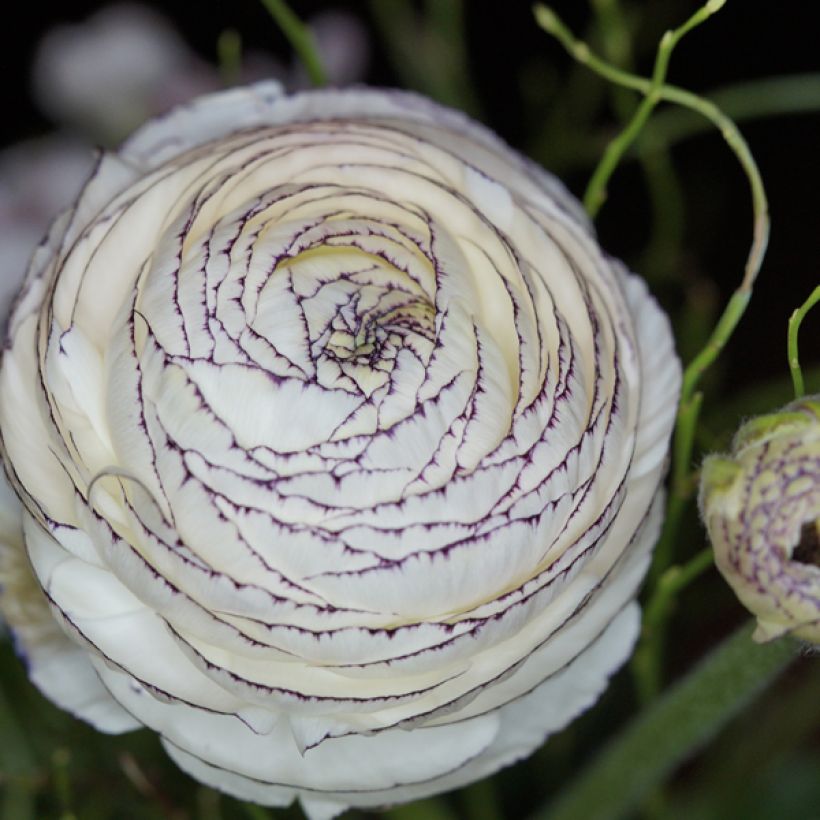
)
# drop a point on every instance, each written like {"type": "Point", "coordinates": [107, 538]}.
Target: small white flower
{"type": "Point", "coordinates": [38, 179]}
{"type": "Point", "coordinates": [106, 75]}
{"type": "Point", "coordinates": [339, 442]}
{"type": "Point", "coordinates": [761, 505]}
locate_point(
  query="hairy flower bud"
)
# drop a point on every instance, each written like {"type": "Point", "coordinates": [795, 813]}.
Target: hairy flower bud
{"type": "Point", "coordinates": [761, 505]}
{"type": "Point", "coordinates": [339, 442]}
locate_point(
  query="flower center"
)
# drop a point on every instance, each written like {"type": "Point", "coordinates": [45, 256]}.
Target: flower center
{"type": "Point", "coordinates": [366, 335]}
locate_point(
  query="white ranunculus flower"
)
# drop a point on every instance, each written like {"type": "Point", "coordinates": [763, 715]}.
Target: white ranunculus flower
{"type": "Point", "coordinates": [339, 443]}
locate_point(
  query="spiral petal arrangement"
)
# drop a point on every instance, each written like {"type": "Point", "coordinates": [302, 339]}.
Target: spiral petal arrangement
{"type": "Point", "coordinates": [339, 443]}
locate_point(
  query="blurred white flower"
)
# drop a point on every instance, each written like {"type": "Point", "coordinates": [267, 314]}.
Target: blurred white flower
{"type": "Point", "coordinates": [127, 63]}
{"type": "Point", "coordinates": [344, 47]}
{"type": "Point", "coordinates": [38, 179]}
{"type": "Point", "coordinates": [339, 442]}
{"type": "Point", "coordinates": [108, 74]}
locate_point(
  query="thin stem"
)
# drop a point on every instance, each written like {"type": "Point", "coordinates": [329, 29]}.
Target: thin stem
{"type": "Point", "coordinates": [552, 24]}
{"type": "Point", "coordinates": [17, 799]}
{"type": "Point", "coordinates": [689, 409]}
{"type": "Point", "coordinates": [428, 51]}
{"type": "Point", "coordinates": [754, 99]}
{"type": "Point", "coordinates": [647, 662]}
{"type": "Point", "coordinates": [255, 812]}
{"type": "Point", "coordinates": [300, 37]}
{"type": "Point", "coordinates": [595, 194]}
{"type": "Point", "coordinates": [596, 190]}
{"type": "Point", "coordinates": [793, 94]}
{"type": "Point", "coordinates": [670, 731]}
{"type": "Point", "coordinates": [62, 781]}
{"type": "Point", "coordinates": [229, 55]}
{"type": "Point", "coordinates": [661, 178]}
{"type": "Point", "coordinates": [674, 580]}
{"type": "Point", "coordinates": [430, 809]}
{"type": "Point", "coordinates": [480, 801]}
{"type": "Point", "coordinates": [617, 37]}
{"type": "Point", "coordinates": [681, 484]}
{"type": "Point", "coordinates": [666, 197]}
{"type": "Point", "coordinates": [794, 326]}
{"type": "Point", "coordinates": [16, 755]}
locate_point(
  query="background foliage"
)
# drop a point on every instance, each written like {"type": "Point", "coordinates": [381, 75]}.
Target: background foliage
{"type": "Point", "coordinates": [678, 211]}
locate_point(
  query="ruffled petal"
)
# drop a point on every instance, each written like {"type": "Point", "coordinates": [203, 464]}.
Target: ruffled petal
{"type": "Point", "coordinates": [340, 443]}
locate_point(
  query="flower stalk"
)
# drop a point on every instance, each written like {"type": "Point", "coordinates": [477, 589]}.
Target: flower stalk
{"type": "Point", "coordinates": [300, 37]}
{"type": "Point", "coordinates": [654, 91]}
{"type": "Point", "coordinates": [794, 326]}
{"type": "Point", "coordinates": [674, 728]}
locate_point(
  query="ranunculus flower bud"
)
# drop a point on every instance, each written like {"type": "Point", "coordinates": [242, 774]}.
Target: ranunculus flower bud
{"type": "Point", "coordinates": [761, 506]}
{"type": "Point", "coordinates": [339, 443]}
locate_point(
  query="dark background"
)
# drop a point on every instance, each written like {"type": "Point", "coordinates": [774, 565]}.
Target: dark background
{"type": "Point", "coordinates": [520, 78]}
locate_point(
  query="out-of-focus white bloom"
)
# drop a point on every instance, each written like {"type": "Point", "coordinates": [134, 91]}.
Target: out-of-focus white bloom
{"type": "Point", "coordinates": [342, 42]}
{"type": "Point", "coordinates": [339, 442]}
{"type": "Point", "coordinates": [107, 75]}
{"type": "Point", "coordinates": [761, 505]}
{"type": "Point", "coordinates": [38, 179]}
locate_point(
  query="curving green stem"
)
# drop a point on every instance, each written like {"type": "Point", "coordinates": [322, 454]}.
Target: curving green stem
{"type": "Point", "coordinates": [748, 100]}
{"type": "Point", "coordinates": [670, 731]}
{"type": "Point", "coordinates": [686, 422]}
{"type": "Point", "coordinates": [552, 24]}
{"type": "Point", "coordinates": [596, 190]}
{"type": "Point", "coordinates": [794, 326]}
{"type": "Point", "coordinates": [660, 176]}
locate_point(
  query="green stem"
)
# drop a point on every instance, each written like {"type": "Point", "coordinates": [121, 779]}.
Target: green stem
{"type": "Point", "coordinates": [717, 341]}
{"type": "Point", "coordinates": [681, 485]}
{"type": "Point", "coordinates": [16, 756]}
{"type": "Point", "coordinates": [689, 408]}
{"type": "Point", "coordinates": [552, 24]}
{"type": "Point", "coordinates": [794, 326]}
{"type": "Point", "coordinates": [480, 801]}
{"type": "Point", "coordinates": [255, 812]}
{"type": "Point", "coordinates": [430, 809]}
{"type": "Point", "coordinates": [596, 190]}
{"type": "Point", "coordinates": [17, 800]}
{"type": "Point", "coordinates": [647, 662]}
{"type": "Point", "coordinates": [229, 56]}
{"type": "Point", "coordinates": [661, 178]}
{"type": "Point", "coordinates": [300, 37]}
{"type": "Point", "coordinates": [595, 194]}
{"type": "Point", "coordinates": [765, 97]}
{"type": "Point", "coordinates": [669, 732]}
{"type": "Point", "coordinates": [674, 580]}
{"type": "Point", "coordinates": [686, 424]}
{"type": "Point", "coordinates": [615, 32]}
{"type": "Point", "coordinates": [740, 102]}
{"type": "Point", "coordinates": [428, 51]}
{"type": "Point", "coordinates": [61, 759]}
